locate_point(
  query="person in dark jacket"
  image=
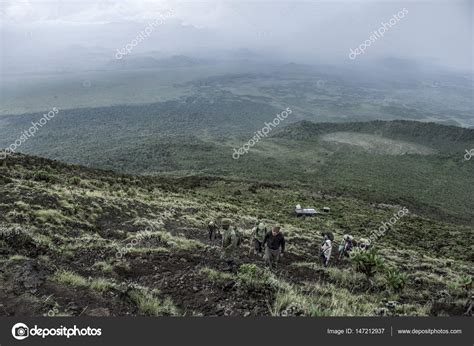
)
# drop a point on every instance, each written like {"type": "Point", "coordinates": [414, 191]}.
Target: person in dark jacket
{"type": "Point", "coordinates": [274, 243]}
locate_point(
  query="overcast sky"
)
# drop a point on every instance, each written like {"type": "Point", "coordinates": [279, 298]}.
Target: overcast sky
{"type": "Point", "coordinates": [439, 32]}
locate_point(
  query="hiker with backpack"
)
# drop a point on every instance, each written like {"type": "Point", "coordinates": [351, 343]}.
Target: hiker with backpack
{"type": "Point", "coordinates": [230, 242]}
{"type": "Point", "coordinates": [364, 244]}
{"type": "Point", "coordinates": [258, 234]}
{"type": "Point", "coordinates": [213, 230]}
{"type": "Point", "coordinates": [345, 247]}
{"type": "Point", "coordinates": [326, 248]}
{"type": "Point", "coordinates": [274, 243]}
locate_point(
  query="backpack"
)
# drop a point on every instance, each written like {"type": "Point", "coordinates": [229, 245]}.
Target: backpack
{"type": "Point", "coordinates": [258, 232]}
{"type": "Point", "coordinates": [235, 238]}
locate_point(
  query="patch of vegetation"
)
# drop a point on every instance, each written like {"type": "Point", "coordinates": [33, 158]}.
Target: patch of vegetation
{"type": "Point", "coordinates": [70, 278]}
{"type": "Point", "coordinates": [216, 276]}
{"type": "Point", "coordinates": [395, 280]}
{"type": "Point", "coordinates": [52, 216]}
{"type": "Point", "coordinates": [464, 282]}
{"type": "Point", "coordinates": [148, 304]}
{"type": "Point", "coordinates": [345, 277]}
{"type": "Point", "coordinates": [101, 284]}
{"type": "Point", "coordinates": [367, 262]}
{"type": "Point", "coordinates": [17, 258]}
{"type": "Point", "coordinates": [73, 279]}
{"type": "Point", "coordinates": [103, 266]}
{"type": "Point", "coordinates": [292, 303]}
{"type": "Point", "coordinates": [251, 277]}
{"type": "Point", "coordinates": [44, 176]}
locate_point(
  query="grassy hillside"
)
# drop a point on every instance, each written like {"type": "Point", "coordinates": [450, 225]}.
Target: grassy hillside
{"type": "Point", "coordinates": [76, 241]}
{"type": "Point", "coordinates": [419, 164]}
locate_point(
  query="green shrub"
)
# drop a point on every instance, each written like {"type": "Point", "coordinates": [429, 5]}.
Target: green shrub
{"type": "Point", "coordinates": [395, 280]}
{"type": "Point", "coordinates": [75, 181]}
{"type": "Point", "coordinates": [44, 176]}
{"type": "Point", "coordinates": [367, 262]}
{"type": "Point", "coordinates": [5, 180]}
{"type": "Point", "coordinates": [464, 282]}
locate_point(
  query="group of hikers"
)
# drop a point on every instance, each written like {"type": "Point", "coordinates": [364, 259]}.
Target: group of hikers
{"type": "Point", "coordinates": [270, 244]}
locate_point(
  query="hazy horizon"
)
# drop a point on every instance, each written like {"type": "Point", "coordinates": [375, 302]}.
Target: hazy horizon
{"type": "Point", "coordinates": [77, 36]}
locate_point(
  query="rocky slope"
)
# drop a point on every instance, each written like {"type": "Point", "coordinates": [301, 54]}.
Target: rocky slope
{"type": "Point", "coordinates": [76, 241]}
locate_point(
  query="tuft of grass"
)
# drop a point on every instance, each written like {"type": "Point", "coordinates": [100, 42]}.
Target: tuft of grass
{"type": "Point", "coordinates": [22, 205]}
{"type": "Point", "coordinates": [345, 277]}
{"type": "Point", "coordinates": [288, 303]}
{"type": "Point", "coordinates": [17, 258]}
{"type": "Point", "coordinates": [50, 215]}
{"type": "Point", "coordinates": [43, 240]}
{"type": "Point", "coordinates": [150, 305]}
{"type": "Point", "coordinates": [70, 278]}
{"type": "Point", "coordinates": [101, 284]}
{"type": "Point", "coordinates": [145, 250]}
{"type": "Point", "coordinates": [103, 266]}
{"type": "Point", "coordinates": [216, 276]}
{"type": "Point", "coordinates": [252, 277]}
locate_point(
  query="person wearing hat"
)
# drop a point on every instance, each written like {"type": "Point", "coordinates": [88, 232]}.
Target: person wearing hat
{"type": "Point", "coordinates": [326, 249]}
{"type": "Point", "coordinates": [275, 246]}
{"type": "Point", "coordinates": [258, 234]}
{"type": "Point", "coordinates": [230, 243]}
{"type": "Point", "coordinates": [213, 230]}
{"type": "Point", "coordinates": [364, 244]}
{"type": "Point", "coordinates": [346, 246]}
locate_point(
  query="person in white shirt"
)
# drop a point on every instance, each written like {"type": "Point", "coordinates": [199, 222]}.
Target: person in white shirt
{"type": "Point", "coordinates": [326, 249]}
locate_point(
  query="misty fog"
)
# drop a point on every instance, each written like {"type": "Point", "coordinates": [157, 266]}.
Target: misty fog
{"type": "Point", "coordinates": [67, 36]}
